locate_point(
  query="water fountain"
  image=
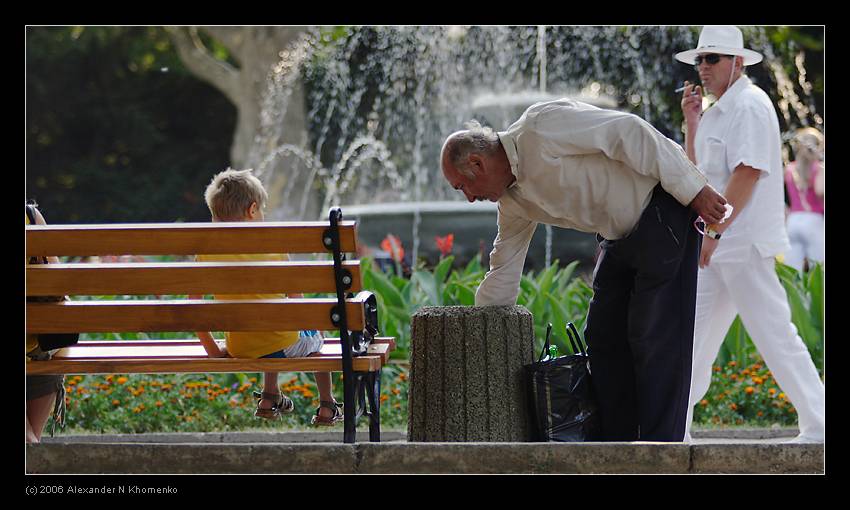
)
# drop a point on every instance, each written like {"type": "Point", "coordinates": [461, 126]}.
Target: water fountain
{"type": "Point", "coordinates": [380, 100]}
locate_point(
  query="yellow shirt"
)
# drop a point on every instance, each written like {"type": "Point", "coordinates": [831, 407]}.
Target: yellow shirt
{"type": "Point", "coordinates": [253, 344]}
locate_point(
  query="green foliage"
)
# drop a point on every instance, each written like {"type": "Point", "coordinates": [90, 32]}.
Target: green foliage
{"type": "Point", "coordinates": [117, 129]}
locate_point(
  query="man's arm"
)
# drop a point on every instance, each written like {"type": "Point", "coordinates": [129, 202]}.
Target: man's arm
{"type": "Point", "coordinates": [501, 284]}
{"type": "Point", "coordinates": [738, 192]}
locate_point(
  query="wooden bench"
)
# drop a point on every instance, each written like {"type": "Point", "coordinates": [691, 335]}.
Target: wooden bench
{"type": "Point", "coordinates": [357, 353]}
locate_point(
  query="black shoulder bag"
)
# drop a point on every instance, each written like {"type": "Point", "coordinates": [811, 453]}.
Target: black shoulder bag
{"type": "Point", "coordinates": [560, 395]}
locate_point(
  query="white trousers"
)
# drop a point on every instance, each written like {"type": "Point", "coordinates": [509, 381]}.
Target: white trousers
{"type": "Point", "coordinates": [752, 290]}
{"type": "Point", "coordinates": [805, 231]}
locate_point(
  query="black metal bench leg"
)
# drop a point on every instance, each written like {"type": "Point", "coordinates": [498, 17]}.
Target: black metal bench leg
{"type": "Point", "coordinates": [373, 393]}
{"type": "Point", "coordinates": [350, 409]}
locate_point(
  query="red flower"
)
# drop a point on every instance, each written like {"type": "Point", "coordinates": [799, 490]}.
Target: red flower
{"type": "Point", "coordinates": [444, 244]}
{"type": "Point", "coordinates": [392, 244]}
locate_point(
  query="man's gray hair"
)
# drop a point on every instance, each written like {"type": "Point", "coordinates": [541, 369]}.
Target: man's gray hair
{"type": "Point", "coordinates": [477, 139]}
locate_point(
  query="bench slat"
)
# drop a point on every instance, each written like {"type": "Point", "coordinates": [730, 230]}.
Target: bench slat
{"type": "Point", "coordinates": [183, 238]}
{"type": "Point", "coordinates": [199, 366]}
{"type": "Point", "coordinates": [188, 349]}
{"type": "Point", "coordinates": [186, 278]}
{"type": "Point", "coordinates": [188, 314]}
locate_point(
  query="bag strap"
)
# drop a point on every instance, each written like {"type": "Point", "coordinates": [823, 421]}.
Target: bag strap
{"type": "Point", "coordinates": [575, 340]}
{"type": "Point", "coordinates": [546, 343]}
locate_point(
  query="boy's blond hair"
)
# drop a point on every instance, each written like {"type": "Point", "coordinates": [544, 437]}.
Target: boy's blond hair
{"type": "Point", "coordinates": [231, 193]}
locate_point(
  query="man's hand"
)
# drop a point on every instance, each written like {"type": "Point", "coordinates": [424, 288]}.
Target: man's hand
{"type": "Point", "coordinates": [708, 247]}
{"type": "Point", "coordinates": [692, 103]}
{"type": "Point", "coordinates": [709, 204]}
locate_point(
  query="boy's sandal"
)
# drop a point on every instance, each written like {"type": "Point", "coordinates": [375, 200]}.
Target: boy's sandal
{"type": "Point", "coordinates": [281, 404]}
{"type": "Point", "coordinates": [328, 421]}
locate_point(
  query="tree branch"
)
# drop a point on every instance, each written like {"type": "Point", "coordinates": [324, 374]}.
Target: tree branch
{"type": "Point", "coordinates": [231, 37]}
{"type": "Point", "coordinates": [198, 59]}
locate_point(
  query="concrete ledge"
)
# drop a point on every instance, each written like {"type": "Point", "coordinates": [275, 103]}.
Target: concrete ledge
{"type": "Point", "coordinates": [158, 458]}
{"type": "Point", "coordinates": [757, 458]}
{"type": "Point", "coordinates": [416, 458]}
{"type": "Point", "coordinates": [529, 458]}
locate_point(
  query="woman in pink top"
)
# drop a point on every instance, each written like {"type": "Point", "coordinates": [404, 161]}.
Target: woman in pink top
{"type": "Point", "coordinates": [804, 181]}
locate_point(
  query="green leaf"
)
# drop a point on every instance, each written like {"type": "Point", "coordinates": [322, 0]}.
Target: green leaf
{"type": "Point", "coordinates": [428, 283]}
{"type": "Point", "coordinates": [443, 269]}
{"type": "Point", "coordinates": [383, 286]}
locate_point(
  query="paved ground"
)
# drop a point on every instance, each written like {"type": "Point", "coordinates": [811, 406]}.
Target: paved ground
{"type": "Point", "coordinates": [713, 451]}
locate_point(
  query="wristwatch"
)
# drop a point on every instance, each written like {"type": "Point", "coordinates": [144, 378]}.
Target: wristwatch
{"type": "Point", "coordinates": [710, 232]}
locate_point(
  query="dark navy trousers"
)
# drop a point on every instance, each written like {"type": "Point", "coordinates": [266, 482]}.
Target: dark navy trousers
{"type": "Point", "coordinates": [640, 324]}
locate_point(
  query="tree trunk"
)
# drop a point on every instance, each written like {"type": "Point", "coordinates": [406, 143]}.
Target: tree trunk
{"type": "Point", "coordinates": [257, 51]}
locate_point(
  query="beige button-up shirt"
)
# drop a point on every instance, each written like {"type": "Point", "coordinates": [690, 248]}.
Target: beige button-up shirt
{"type": "Point", "coordinates": [581, 167]}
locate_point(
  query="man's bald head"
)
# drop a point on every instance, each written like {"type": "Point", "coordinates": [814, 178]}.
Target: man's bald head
{"type": "Point", "coordinates": [457, 148]}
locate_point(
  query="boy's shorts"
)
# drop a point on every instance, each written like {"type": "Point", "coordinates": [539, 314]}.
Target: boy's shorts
{"type": "Point", "coordinates": [309, 341]}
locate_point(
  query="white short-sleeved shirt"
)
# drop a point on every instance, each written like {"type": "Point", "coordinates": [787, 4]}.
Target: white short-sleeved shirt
{"type": "Point", "coordinates": [742, 128]}
{"type": "Point", "coordinates": [581, 167]}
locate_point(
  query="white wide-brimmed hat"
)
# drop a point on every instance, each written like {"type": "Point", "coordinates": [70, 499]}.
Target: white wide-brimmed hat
{"type": "Point", "coordinates": [723, 40]}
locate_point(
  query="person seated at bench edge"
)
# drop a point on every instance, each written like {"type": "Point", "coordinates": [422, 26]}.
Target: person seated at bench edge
{"type": "Point", "coordinates": [238, 195]}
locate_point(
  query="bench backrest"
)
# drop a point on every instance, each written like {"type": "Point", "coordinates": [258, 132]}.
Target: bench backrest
{"type": "Point", "coordinates": [182, 278]}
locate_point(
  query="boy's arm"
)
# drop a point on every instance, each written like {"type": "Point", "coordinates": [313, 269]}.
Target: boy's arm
{"type": "Point", "coordinates": [207, 340]}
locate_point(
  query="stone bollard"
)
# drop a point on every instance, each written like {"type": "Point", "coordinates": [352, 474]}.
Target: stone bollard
{"type": "Point", "coordinates": [466, 374]}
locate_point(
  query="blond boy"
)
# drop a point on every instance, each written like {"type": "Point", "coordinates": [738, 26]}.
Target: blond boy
{"type": "Point", "coordinates": [238, 195]}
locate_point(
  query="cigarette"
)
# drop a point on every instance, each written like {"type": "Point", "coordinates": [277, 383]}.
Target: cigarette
{"type": "Point", "coordinates": [682, 89]}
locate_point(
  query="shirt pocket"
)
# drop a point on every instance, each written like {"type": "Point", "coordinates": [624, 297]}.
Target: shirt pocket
{"type": "Point", "coordinates": [715, 160]}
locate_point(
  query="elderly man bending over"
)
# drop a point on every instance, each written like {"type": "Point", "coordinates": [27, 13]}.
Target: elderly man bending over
{"type": "Point", "coordinates": [573, 165]}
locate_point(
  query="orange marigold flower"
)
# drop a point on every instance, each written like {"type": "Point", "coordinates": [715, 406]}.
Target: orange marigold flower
{"type": "Point", "coordinates": [396, 391]}
{"type": "Point", "coordinates": [745, 371]}
{"type": "Point", "coordinates": [760, 414]}
{"type": "Point", "coordinates": [384, 398]}
{"type": "Point", "coordinates": [158, 403]}
{"type": "Point", "coordinates": [733, 363]}
{"type": "Point", "coordinates": [757, 366]}
{"type": "Point", "coordinates": [122, 380]}
{"type": "Point", "coordinates": [734, 377]}
{"type": "Point", "coordinates": [733, 406]}
{"type": "Point", "coordinates": [703, 402]}
{"type": "Point", "coordinates": [749, 390]}
{"type": "Point", "coordinates": [717, 369]}
{"type": "Point", "coordinates": [72, 382]}
{"type": "Point", "coordinates": [782, 396]}
{"type": "Point", "coordinates": [402, 376]}
{"type": "Point", "coordinates": [772, 391]}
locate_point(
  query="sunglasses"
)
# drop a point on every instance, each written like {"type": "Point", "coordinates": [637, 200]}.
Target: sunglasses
{"type": "Point", "coordinates": [710, 59]}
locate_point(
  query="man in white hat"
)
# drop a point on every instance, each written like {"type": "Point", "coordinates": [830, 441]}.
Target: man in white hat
{"type": "Point", "coordinates": [736, 144]}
